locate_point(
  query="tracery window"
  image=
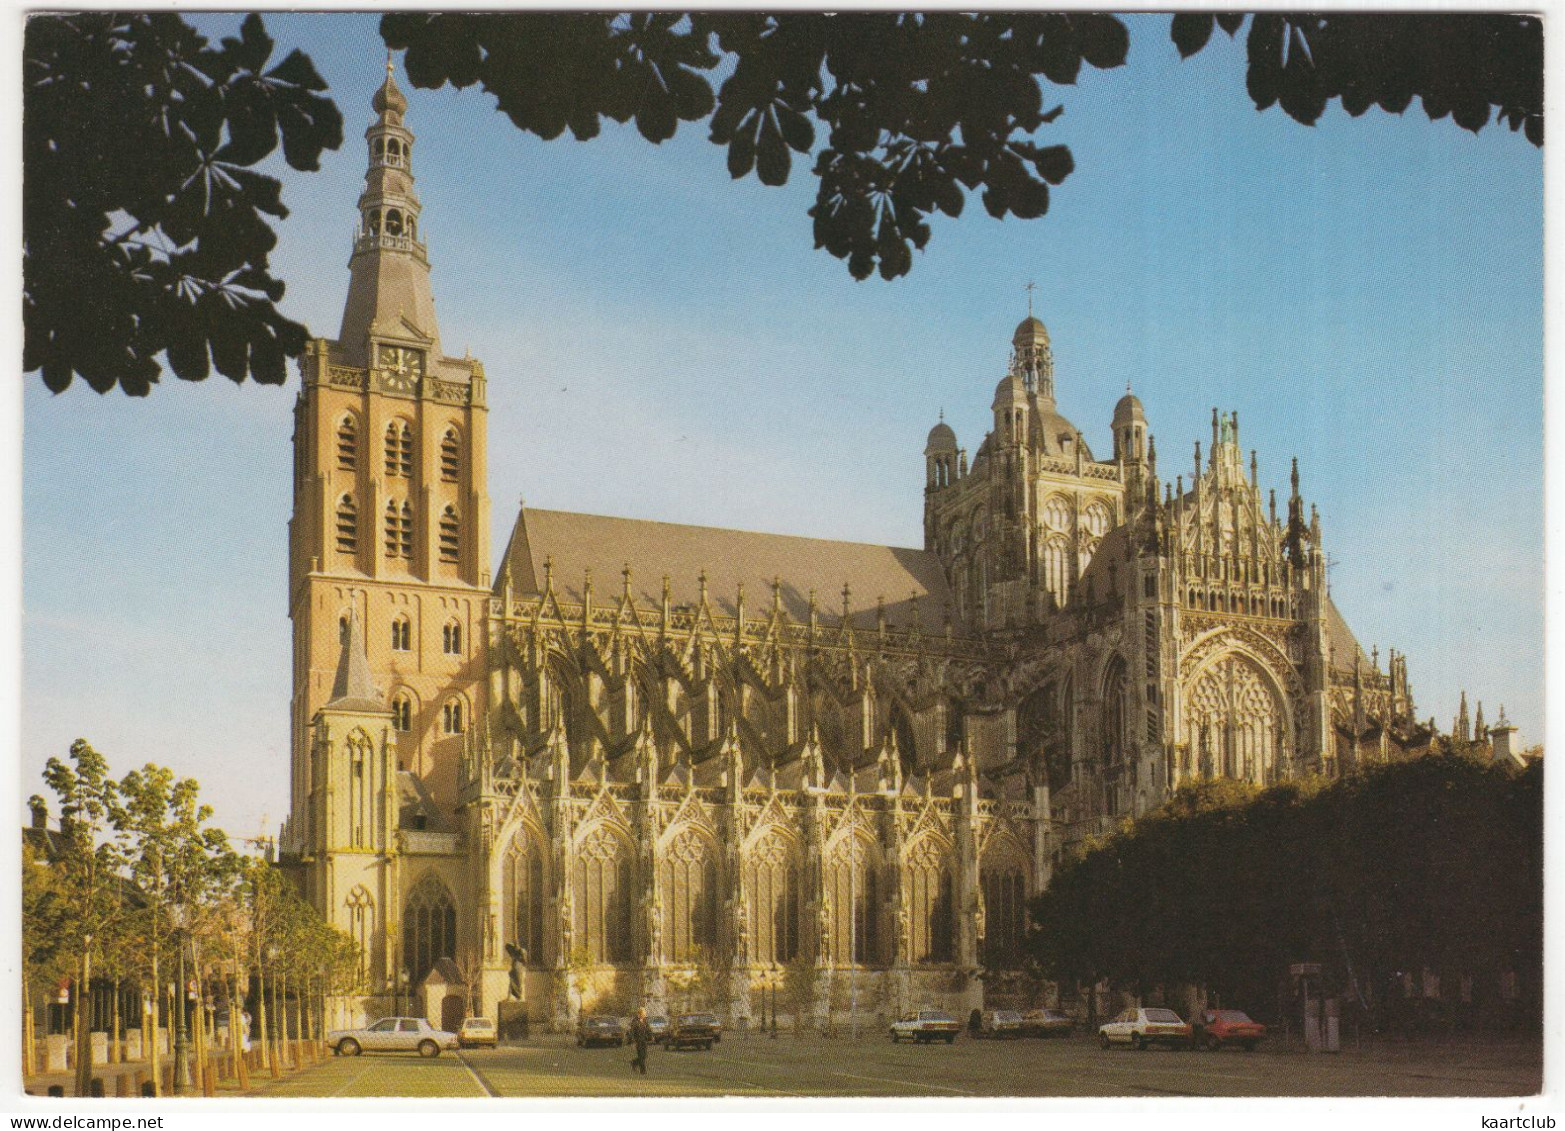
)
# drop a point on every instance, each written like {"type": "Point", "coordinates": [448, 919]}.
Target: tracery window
{"type": "Point", "coordinates": [451, 639]}
{"type": "Point", "coordinates": [347, 525]}
{"type": "Point", "coordinates": [1057, 514]}
{"type": "Point", "coordinates": [401, 634]}
{"type": "Point", "coordinates": [361, 927]}
{"type": "Point", "coordinates": [525, 896]}
{"type": "Point", "coordinates": [1096, 520]}
{"type": "Point", "coordinates": [604, 896]}
{"type": "Point", "coordinates": [348, 443]}
{"type": "Point", "coordinates": [927, 880]}
{"type": "Point", "coordinates": [450, 536]}
{"type": "Point", "coordinates": [399, 530]}
{"type": "Point", "coordinates": [1235, 722]}
{"type": "Point", "coordinates": [452, 718]}
{"type": "Point", "coordinates": [428, 928]}
{"type": "Point", "coordinates": [688, 892]}
{"type": "Point", "coordinates": [399, 449]}
{"type": "Point", "coordinates": [771, 879]}
{"type": "Point", "coordinates": [1004, 884]}
{"type": "Point", "coordinates": [450, 456]}
{"type": "Point", "coordinates": [852, 895]}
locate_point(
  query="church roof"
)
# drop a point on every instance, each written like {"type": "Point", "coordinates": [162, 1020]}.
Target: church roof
{"type": "Point", "coordinates": [578, 542]}
{"type": "Point", "coordinates": [1343, 645]}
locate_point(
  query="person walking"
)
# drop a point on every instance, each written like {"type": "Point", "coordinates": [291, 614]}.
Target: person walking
{"type": "Point", "coordinates": [641, 1033]}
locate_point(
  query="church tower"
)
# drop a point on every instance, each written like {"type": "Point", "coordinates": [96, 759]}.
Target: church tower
{"type": "Point", "coordinates": [390, 526]}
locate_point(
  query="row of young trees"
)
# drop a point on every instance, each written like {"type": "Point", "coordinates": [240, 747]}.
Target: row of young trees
{"type": "Point", "coordinates": [139, 889]}
{"type": "Point", "coordinates": [1434, 863]}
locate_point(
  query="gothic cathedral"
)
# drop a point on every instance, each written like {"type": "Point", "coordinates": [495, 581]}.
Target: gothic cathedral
{"type": "Point", "coordinates": [649, 763]}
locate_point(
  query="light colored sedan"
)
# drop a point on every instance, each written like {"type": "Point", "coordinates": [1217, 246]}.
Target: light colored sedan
{"type": "Point", "coordinates": [392, 1034]}
{"type": "Point", "coordinates": [1142, 1028]}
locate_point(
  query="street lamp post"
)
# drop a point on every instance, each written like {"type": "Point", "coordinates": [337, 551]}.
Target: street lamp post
{"type": "Point", "coordinates": [181, 1046]}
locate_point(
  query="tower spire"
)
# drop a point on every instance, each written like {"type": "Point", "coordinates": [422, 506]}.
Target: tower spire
{"type": "Point", "coordinates": [389, 295]}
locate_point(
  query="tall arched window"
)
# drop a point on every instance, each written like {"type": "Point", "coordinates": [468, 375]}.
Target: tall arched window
{"type": "Point", "coordinates": [604, 896]}
{"type": "Point", "coordinates": [399, 449]}
{"type": "Point", "coordinates": [927, 876]}
{"type": "Point", "coordinates": [907, 747]}
{"type": "Point", "coordinates": [362, 790]}
{"type": "Point", "coordinates": [852, 889]}
{"type": "Point", "coordinates": [451, 639]}
{"type": "Point", "coordinates": [451, 456]}
{"type": "Point", "coordinates": [1056, 572]}
{"type": "Point", "coordinates": [399, 530]}
{"type": "Point", "coordinates": [453, 718]}
{"type": "Point", "coordinates": [401, 633]}
{"type": "Point", "coordinates": [1116, 711]}
{"type": "Point", "coordinates": [525, 896]}
{"type": "Point", "coordinates": [348, 443]}
{"type": "Point", "coordinates": [771, 879]}
{"type": "Point", "coordinates": [361, 928]}
{"type": "Point", "coordinates": [428, 928]}
{"type": "Point", "coordinates": [402, 712]}
{"type": "Point", "coordinates": [347, 525]}
{"type": "Point", "coordinates": [1042, 737]}
{"type": "Point", "coordinates": [1004, 883]}
{"type": "Point", "coordinates": [688, 891]}
{"type": "Point", "coordinates": [450, 536]}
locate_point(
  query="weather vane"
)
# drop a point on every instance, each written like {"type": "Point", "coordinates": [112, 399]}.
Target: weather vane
{"type": "Point", "coordinates": [1029, 288]}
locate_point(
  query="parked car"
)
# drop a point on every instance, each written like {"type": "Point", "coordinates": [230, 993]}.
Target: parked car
{"type": "Point", "coordinates": [477, 1032]}
{"type": "Point", "coordinates": [1047, 1023]}
{"type": "Point", "coordinates": [694, 1030]}
{"type": "Point", "coordinates": [924, 1026]}
{"type": "Point", "coordinates": [600, 1030]}
{"type": "Point", "coordinates": [1142, 1028]}
{"type": "Point", "coordinates": [1000, 1023]}
{"type": "Point", "coordinates": [392, 1034]}
{"type": "Point", "coordinates": [659, 1027]}
{"type": "Point", "coordinates": [1221, 1027]}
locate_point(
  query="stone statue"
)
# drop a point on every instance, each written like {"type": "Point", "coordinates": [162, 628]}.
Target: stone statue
{"type": "Point", "coordinates": [517, 989]}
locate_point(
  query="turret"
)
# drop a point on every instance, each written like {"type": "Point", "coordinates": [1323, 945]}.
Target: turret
{"type": "Point", "coordinates": [940, 456]}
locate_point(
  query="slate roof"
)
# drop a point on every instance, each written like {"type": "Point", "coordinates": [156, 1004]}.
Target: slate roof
{"type": "Point", "coordinates": [578, 542]}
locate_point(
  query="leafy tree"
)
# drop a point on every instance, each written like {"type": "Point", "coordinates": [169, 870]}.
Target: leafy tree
{"type": "Point", "coordinates": [178, 862]}
{"type": "Point", "coordinates": [146, 228]}
{"type": "Point", "coordinates": [87, 875]}
{"type": "Point", "coordinates": [1430, 863]}
{"type": "Point", "coordinates": [919, 109]}
{"type": "Point", "coordinates": [141, 203]}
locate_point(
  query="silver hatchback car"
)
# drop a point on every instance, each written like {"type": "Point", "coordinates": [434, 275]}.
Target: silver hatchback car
{"type": "Point", "coordinates": [392, 1034]}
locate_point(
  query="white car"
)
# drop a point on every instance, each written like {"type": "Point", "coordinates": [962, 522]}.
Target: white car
{"type": "Point", "coordinates": [1142, 1028]}
{"type": "Point", "coordinates": [924, 1026]}
{"type": "Point", "coordinates": [392, 1034]}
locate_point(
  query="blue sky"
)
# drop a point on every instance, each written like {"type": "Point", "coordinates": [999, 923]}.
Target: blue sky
{"type": "Point", "coordinates": [663, 342]}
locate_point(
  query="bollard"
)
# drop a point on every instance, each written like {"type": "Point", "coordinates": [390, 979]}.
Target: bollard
{"type": "Point", "coordinates": [146, 1089]}
{"type": "Point", "coordinates": [95, 1087]}
{"type": "Point", "coordinates": [57, 1090]}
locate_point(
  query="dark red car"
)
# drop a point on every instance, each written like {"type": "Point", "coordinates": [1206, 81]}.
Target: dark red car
{"type": "Point", "coordinates": [1230, 1027]}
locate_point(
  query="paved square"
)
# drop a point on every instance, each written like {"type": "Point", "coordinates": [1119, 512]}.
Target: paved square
{"type": "Point", "coordinates": [871, 1066]}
